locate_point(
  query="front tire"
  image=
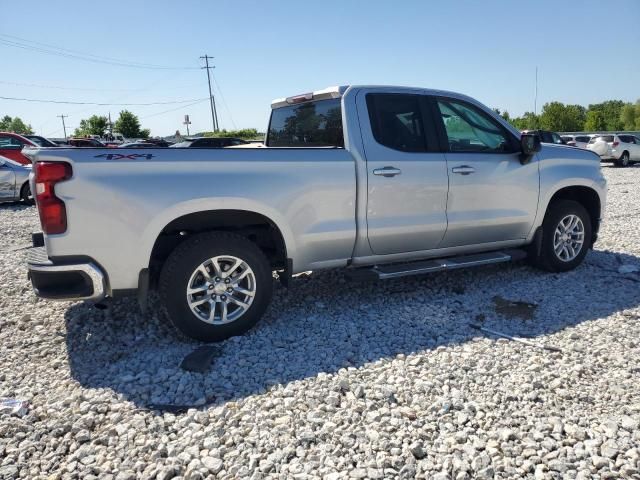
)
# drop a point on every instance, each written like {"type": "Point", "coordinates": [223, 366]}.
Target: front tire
{"type": "Point", "coordinates": [566, 236]}
{"type": "Point", "coordinates": [215, 286]}
{"type": "Point", "coordinates": [623, 161]}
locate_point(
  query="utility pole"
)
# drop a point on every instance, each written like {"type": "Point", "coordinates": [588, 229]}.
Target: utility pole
{"type": "Point", "coordinates": [214, 114]}
{"type": "Point", "coordinates": [187, 122]}
{"type": "Point", "coordinates": [535, 97]}
{"type": "Point", "coordinates": [64, 128]}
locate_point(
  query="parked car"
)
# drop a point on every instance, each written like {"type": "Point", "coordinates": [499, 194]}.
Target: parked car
{"type": "Point", "coordinates": [158, 142]}
{"type": "Point", "coordinates": [210, 142]}
{"type": "Point", "coordinates": [622, 149]}
{"type": "Point", "coordinates": [138, 145]}
{"type": "Point", "coordinates": [41, 141]}
{"type": "Point", "coordinates": [415, 181]}
{"type": "Point", "coordinates": [12, 146]}
{"type": "Point", "coordinates": [14, 181]}
{"type": "Point", "coordinates": [580, 141]}
{"type": "Point", "coordinates": [547, 136]}
{"type": "Point", "coordinates": [86, 143]}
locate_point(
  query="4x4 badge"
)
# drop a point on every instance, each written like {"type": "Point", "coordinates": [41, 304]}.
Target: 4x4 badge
{"type": "Point", "coordinates": [120, 156]}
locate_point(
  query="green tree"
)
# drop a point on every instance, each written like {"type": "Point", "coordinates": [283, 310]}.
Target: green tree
{"type": "Point", "coordinates": [637, 114]}
{"type": "Point", "coordinates": [129, 126]}
{"type": "Point", "coordinates": [94, 125]}
{"type": "Point", "coordinates": [558, 117]}
{"type": "Point", "coordinates": [628, 116]}
{"type": "Point", "coordinates": [245, 133]}
{"type": "Point", "coordinates": [528, 121]}
{"type": "Point", "coordinates": [611, 111]}
{"type": "Point", "coordinates": [595, 121]}
{"type": "Point", "coordinates": [15, 125]}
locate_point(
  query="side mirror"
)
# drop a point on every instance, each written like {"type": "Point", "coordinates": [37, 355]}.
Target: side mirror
{"type": "Point", "coordinates": [530, 143]}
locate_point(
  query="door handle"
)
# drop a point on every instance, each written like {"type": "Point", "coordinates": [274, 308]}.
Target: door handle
{"type": "Point", "coordinates": [387, 171]}
{"type": "Point", "coordinates": [463, 170]}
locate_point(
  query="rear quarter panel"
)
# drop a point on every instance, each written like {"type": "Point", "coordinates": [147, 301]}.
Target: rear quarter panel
{"type": "Point", "coordinates": [116, 208]}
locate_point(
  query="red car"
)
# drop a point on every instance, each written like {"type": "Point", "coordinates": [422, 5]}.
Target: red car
{"type": "Point", "coordinates": [11, 145]}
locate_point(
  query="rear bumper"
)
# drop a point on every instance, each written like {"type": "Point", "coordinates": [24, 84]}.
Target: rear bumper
{"type": "Point", "coordinates": [65, 281]}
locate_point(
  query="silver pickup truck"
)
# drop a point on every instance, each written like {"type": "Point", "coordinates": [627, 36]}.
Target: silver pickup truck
{"type": "Point", "coordinates": [383, 181]}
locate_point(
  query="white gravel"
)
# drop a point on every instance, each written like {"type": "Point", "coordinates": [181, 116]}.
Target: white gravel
{"type": "Point", "coordinates": [340, 380]}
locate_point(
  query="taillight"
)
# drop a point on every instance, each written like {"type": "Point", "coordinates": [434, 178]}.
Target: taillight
{"type": "Point", "coordinates": [53, 214]}
{"type": "Point", "coordinates": [615, 144]}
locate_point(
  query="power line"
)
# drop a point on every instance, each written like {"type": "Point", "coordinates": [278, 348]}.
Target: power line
{"type": "Point", "coordinates": [18, 42]}
{"type": "Point", "coordinates": [80, 89]}
{"type": "Point", "coordinates": [214, 114]}
{"type": "Point", "coordinates": [100, 104]}
{"type": "Point", "coordinates": [224, 102]}
{"type": "Point", "coordinates": [174, 109]}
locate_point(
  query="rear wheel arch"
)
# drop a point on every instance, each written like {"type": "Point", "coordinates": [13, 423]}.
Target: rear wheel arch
{"type": "Point", "coordinates": [254, 226]}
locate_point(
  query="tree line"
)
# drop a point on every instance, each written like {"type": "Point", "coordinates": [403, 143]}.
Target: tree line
{"type": "Point", "coordinates": [611, 115]}
{"type": "Point", "coordinates": [127, 124]}
{"type": "Point", "coordinates": [15, 125]}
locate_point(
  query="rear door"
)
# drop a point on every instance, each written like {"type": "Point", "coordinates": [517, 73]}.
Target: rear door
{"type": "Point", "coordinates": [492, 195]}
{"type": "Point", "coordinates": [407, 179]}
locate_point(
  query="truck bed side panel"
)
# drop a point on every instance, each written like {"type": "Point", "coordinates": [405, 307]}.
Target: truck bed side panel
{"type": "Point", "coordinates": [116, 208]}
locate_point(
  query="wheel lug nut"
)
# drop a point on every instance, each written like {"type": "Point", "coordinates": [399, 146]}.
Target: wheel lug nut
{"type": "Point", "coordinates": [229, 290]}
{"type": "Point", "coordinates": [210, 287]}
{"type": "Point", "coordinates": [223, 297]}
{"type": "Point", "coordinates": [227, 280]}
{"type": "Point", "coordinates": [217, 279]}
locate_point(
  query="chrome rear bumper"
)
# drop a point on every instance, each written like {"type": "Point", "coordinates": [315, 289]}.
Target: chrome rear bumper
{"type": "Point", "coordinates": [65, 281]}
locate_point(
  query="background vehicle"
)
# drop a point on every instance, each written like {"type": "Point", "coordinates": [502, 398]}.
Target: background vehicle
{"type": "Point", "coordinates": [414, 181]}
{"type": "Point", "coordinates": [547, 136]}
{"type": "Point", "coordinates": [12, 146]}
{"type": "Point", "coordinates": [40, 141]}
{"type": "Point", "coordinates": [159, 142]}
{"type": "Point", "coordinates": [622, 149]}
{"type": "Point", "coordinates": [580, 141]}
{"type": "Point", "coordinates": [85, 142]}
{"type": "Point", "coordinates": [210, 142]}
{"type": "Point", "coordinates": [14, 181]}
{"type": "Point", "coordinates": [138, 145]}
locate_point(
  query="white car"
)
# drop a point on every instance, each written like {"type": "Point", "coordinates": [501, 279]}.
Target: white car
{"type": "Point", "coordinates": [14, 181]}
{"type": "Point", "coordinates": [580, 141]}
{"type": "Point", "coordinates": [622, 149]}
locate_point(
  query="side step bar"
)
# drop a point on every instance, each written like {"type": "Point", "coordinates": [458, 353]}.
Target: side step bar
{"type": "Point", "coordinates": [396, 270]}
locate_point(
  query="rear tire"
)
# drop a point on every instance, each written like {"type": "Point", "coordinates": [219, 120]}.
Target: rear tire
{"type": "Point", "coordinates": [25, 194]}
{"type": "Point", "coordinates": [566, 236]}
{"type": "Point", "coordinates": [216, 285]}
{"type": "Point", "coordinates": [623, 161]}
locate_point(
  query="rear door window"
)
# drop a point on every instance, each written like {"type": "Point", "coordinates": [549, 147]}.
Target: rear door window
{"type": "Point", "coordinates": [309, 124]}
{"type": "Point", "coordinates": [397, 121]}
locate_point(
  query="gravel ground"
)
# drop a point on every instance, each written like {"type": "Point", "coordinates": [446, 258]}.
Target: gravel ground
{"type": "Point", "coordinates": [340, 379]}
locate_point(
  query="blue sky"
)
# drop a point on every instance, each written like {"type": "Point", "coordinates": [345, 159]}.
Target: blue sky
{"type": "Point", "coordinates": [586, 52]}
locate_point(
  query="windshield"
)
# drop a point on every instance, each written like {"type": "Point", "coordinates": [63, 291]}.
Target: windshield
{"type": "Point", "coordinates": [310, 124]}
{"type": "Point", "coordinates": [41, 141]}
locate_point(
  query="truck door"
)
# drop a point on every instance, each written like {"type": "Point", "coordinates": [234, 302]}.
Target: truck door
{"type": "Point", "coordinates": [406, 174]}
{"type": "Point", "coordinates": [492, 196]}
